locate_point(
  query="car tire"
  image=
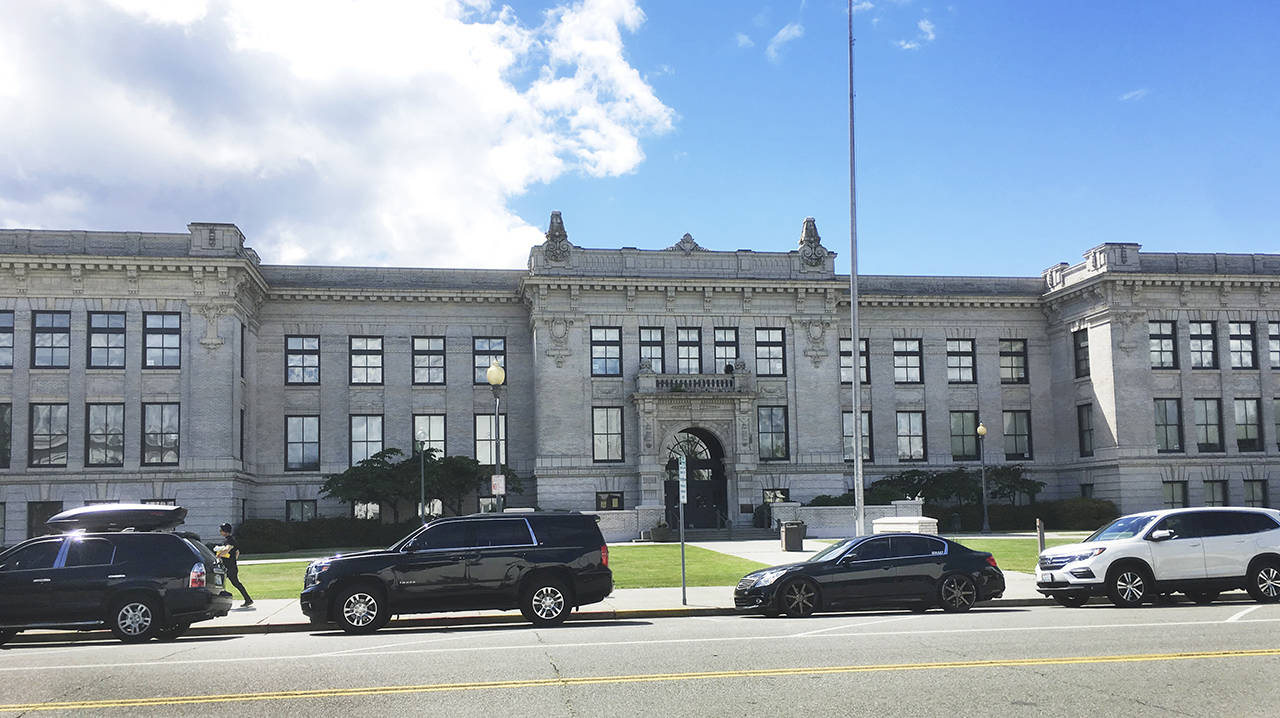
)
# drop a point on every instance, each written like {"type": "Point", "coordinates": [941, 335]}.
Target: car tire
{"type": "Point", "coordinates": [1264, 582]}
{"type": "Point", "coordinates": [361, 609]}
{"type": "Point", "coordinates": [957, 593]}
{"type": "Point", "coordinates": [1129, 586]}
{"type": "Point", "coordinates": [799, 598]}
{"type": "Point", "coordinates": [1203, 598]}
{"type": "Point", "coordinates": [134, 619]}
{"type": "Point", "coordinates": [1071, 600]}
{"type": "Point", "coordinates": [771, 613]}
{"type": "Point", "coordinates": [545, 602]}
{"type": "Point", "coordinates": [172, 633]}
{"type": "Point", "coordinates": [6, 636]}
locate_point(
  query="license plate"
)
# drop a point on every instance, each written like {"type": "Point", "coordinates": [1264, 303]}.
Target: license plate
{"type": "Point", "coordinates": [217, 580]}
{"type": "Point", "coordinates": [1048, 578]}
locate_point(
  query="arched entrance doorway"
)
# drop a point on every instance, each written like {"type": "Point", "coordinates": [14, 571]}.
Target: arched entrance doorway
{"type": "Point", "coordinates": [708, 505]}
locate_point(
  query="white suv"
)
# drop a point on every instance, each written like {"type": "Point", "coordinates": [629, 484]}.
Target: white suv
{"type": "Point", "coordinates": [1199, 552]}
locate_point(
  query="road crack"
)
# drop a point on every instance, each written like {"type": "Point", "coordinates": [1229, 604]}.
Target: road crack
{"type": "Point", "coordinates": [565, 694]}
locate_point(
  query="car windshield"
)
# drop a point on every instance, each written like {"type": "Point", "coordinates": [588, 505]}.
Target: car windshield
{"type": "Point", "coordinates": [831, 551]}
{"type": "Point", "coordinates": [1122, 528]}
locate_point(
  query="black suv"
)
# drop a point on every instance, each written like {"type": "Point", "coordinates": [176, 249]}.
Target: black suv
{"type": "Point", "coordinates": [119, 566]}
{"type": "Point", "coordinates": [545, 564]}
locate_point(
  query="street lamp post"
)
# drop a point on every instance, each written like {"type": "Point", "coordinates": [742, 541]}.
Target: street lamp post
{"type": "Point", "coordinates": [496, 376]}
{"type": "Point", "coordinates": [422, 476]}
{"type": "Point", "coordinates": [982, 454]}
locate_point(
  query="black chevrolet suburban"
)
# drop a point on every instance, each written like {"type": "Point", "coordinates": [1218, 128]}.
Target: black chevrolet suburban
{"type": "Point", "coordinates": [545, 564]}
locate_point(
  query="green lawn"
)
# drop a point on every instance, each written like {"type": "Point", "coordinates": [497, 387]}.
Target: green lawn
{"type": "Point", "coordinates": [1012, 554]}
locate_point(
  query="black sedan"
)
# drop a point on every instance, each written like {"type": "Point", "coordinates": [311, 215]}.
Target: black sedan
{"type": "Point", "coordinates": [887, 570]}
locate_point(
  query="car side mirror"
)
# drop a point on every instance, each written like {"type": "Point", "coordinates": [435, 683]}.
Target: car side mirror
{"type": "Point", "coordinates": [1161, 535]}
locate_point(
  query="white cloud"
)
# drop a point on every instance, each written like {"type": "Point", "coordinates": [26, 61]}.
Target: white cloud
{"type": "Point", "coordinates": [1135, 95]}
{"type": "Point", "coordinates": [744, 41]}
{"type": "Point", "coordinates": [927, 35]}
{"type": "Point", "coordinates": [926, 30]}
{"type": "Point", "coordinates": [862, 7]}
{"type": "Point", "coordinates": [390, 132]}
{"type": "Point", "coordinates": [790, 31]}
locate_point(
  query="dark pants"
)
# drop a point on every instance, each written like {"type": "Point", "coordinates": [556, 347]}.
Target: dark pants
{"type": "Point", "coordinates": [233, 577]}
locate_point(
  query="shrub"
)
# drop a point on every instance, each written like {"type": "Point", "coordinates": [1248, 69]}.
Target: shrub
{"type": "Point", "coordinates": [264, 536]}
{"type": "Point", "coordinates": [1064, 515]}
{"type": "Point", "coordinates": [275, 536]}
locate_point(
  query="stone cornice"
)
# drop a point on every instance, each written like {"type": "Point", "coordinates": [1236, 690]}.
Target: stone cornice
{"type": "Point", "coordinates": [382, 295]}
{"type": "Point", "coordinates": [213, 272]}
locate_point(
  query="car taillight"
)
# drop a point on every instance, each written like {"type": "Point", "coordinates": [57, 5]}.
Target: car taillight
{"type": "Point", "coordinates": [991, 560]}
{"type": "Point", "coordinates": [604, 555]}
{"type": "Point", "coordinates": [196, 580]}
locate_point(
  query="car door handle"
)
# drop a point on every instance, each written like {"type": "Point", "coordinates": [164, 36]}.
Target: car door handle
{"type": "Point", "coordinates": [121, 575]}
{"type": "Point", "coordinates": [41, 580]}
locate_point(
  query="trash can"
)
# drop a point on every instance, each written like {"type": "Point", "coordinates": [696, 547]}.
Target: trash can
{"type": "Point", "coordinates": [793, 535]}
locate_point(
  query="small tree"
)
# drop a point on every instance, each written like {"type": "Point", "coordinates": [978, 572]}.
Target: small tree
{"type": "Point", "coordinates": [1008, 482]}
{"type": "Point", "coordinates": [384, 478]}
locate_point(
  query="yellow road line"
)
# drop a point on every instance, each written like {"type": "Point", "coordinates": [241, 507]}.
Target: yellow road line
{"type": "Point", "coordinates": [639, 678]}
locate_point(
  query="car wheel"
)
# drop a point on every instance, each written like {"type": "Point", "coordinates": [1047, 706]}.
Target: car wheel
{"type": "Point", "coordinates": [957, 592]}
{"type": "Point", "coordinates": [172, 633]}
{"type": "Point", "coordinates": [545, 602]}
{"type": "Point", "coordinates": [135, 619]}
{"type": "Point", "coordinates": [1071, 600]}
{"type": "Point", "coordinates": [1264, 582]}
{"type": "Point", "coordinates": [1129, 586]}
{"type": "Point", "coordinates": [6, 636]}
{"type": "Point", "coordinates": [1203, 598]}
{"type": "Point", "coordinates": [361, 609]}
{"type": "Point", "coordinates": [799, 598]}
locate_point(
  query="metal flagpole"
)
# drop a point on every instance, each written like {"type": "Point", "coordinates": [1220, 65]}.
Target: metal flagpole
{"type": "Point", "coordinates": [858, 428]}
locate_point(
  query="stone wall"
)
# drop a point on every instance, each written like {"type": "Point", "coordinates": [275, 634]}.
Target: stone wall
{"type": "Point", "coordinates": [840, 521]}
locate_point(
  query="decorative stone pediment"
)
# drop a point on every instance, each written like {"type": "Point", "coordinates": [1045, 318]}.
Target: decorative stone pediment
{"type": "Point", "coordinates": [685, 245]}
{"type": "Point", "coordinates": [557, 247]}
{"type": "Point", "coordinates": [812, 253]}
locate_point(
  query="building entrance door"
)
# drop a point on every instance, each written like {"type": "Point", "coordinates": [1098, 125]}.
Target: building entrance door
{"type": "Point", "coordinates": [708, 494]}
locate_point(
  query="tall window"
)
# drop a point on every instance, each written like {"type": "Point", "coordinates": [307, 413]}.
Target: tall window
{"type": "Point", "coordinates": [911, 446]}
{"type": "Point", "coordinates": [1273, 344]}
{"type": "Point", "coordinates": [299, 509]}
{"type": "Point", "coordinates": [1240, 345]}
{"type": "Point", "coordinates": [6, 340]}
{"type": "Point", "coordinates": [1164, 347]}
{"type": "Point", "coordinates": [430, 427]}
{"type": "Point", "coordinates": [485, 351]}
{"type": "Point", "coordinates": [1168, 425]}
{"type": "Point", "coordinates": [688, 350]}
{"type": "Point", "coordinates": [726, 347]}
{"type": "Point", "coordinates": [1017, 435]}
{"type": "Point", "coordinates": [1013, 361]}
{"type": "Point", "coordinates": [162, 340]}
{"type": "Point", "coordinates": [484, 438]}
{"type": "Point", "coordinates": [160, 434]}
{"type": "Point", "coordinates": [864, 361]}
{"type": "Point", "coordinates": [907, 359]}
{"type": "Point", "coordinates": [302, 360]}
{"type": "Point", "coordinates": [106, 340]}
{"type": "Point", "coordinates": [428, 360]}
{"type": "Point", "coordinates": [1084, 428]}
{"type": "Point", "coordinates": [847, 418]}
{"type": "Point", "coordinates": [48, 431]}
{"type": "Point", "coordinates": [772, 423]}
{"type": "Point", "coordinates": [104, 435]}
{"type": "Point", "coordinates": [606, 433]}
{"type": "Point", "coordinates": [770, 359]}
{"type": "Point", "coordinates": [302, 443]}
{"type": "Point", "coordinates": [1204, 345]}
{"type": "Point", "coordinates": [51, 340]}
{"type": "Point", "coordinates": [1208, 417]}
{"type": "Point", "coordinates": [1255, 493]}
{"type": "Point", "coordinates": [6, 434]}
{"type": "Point", "coordinates": [1080, 343]}
{"type": "Point", "coordinates": [651, 347]}
{"type": "Point", "coordinates": [1215, 493]}
{"type": "Point", "coordinates": [1175, 495]}
{"type": "Point", "coordinates": [1248, 427]}
{"type": "Point", "coordinates": [366, 360]}
{"type": "Point", "coordinates": [606, 351]}
{"type": "Point", "coordinates": [960, 361]}
{"type": "Point", "coordinates": [964, 436]}
{"type": "Point", "coordinates": [366, 436]}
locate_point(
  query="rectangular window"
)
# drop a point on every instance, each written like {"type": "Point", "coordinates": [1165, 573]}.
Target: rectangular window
{"type": "Point", "coordinates": [1086, 491]}
{"type": "Point", "coordinates": [606, 433]}
{"type": "Point", "coordinates": [106, 340]}
{"type": "Point", "coordinates": [366, 360]}
{"type": "Point", "coordinates": [1162, 337]}
{"type": "Point", "coordinates": [1080, 342]}
{"type": "Point", "coordinates": [651, 347]}
{"type": "Point", "coordinates": [770, 357]}
{"type": "Point", "coordinates": [1240, 345]}
{"type": "Point", "coordinates": [1204, 345]}
{"type": "Point", "coordinates": [907, 360]}
{"type": "Point", "coordinates": [1175, 495]}
{"type": "Point", "coordinates": [484, 438]}
{"type": "Point", "coordinates": [48, 431]}
{"type": "Point", "coordinates": [242, 350]}
{"type": "Point", "coordinates": [847, 420]}
{"type": "Point", "coordinates": [1013, 361]}
{"type": "Point", "coordinates": [772, 424]}
{"type": "Point", "coordinates": [302, 360]}
{"type": "Point", "coordinates": [366, 436]}
{"type": "Point", "coordinates": [51, 340]}
{"type": "Point", "coordinates": [960, 361]}
{"type": "Point", "coordinates": [162, 340]}
{"type": "Point", "coordinates": [1084, 428]}
{"type": "Point", "coordinates": [726, 347]}
{"type": "Point", "coordinates": [1208, 417]}
{"type": "Point", "coordinates": [846, 362]}
{"type": "Point", "coordinates": [688, 350]}
{"type": "Point", "coordinates": [964, 436]}
{"type": "Point", "coordinates": [302, 443]}
{"type": "Point", "coordinates": [1017, 435]}
{"type": "Point", "coordinates": [104, 435]}
{"type": "Point", "coordinates": [1255, 493]}
{"type": "Point", "coordinates": [240, 441]}
{"type": "Point", "coordinates": [911, 446]}
{"type": "Point", "coordinates": [160, 502]}
{"type": "Point", "coordinates": [1168, 425]}
{"type": "Point", "coordinates": [428, 360]}
{"type": "Point", "coordinates": [1215, 493]}
{"type": "Point", "coordinates": [484, 352]}
{"type": "Point", "coordinates": [776, 495]}
{"type": "Point", "coordinates": [6, 340]}
{"type": "Point", "coordinates": [1273, 344]}
{"type": "Point", "coordinates": [6, 437]}
{"type": "Point", "coordinates": [1248, 425]}
{"type": "Point", "coordinates": [160, 434]}
{"type": "Point", "coordinates": [429, 428]}
{"type": "Point", "coordinates": [606, 351]}
{"type": "Point", "coordinates": [608, 501]}
{"type": "Point", "coordinates": [299, 509]}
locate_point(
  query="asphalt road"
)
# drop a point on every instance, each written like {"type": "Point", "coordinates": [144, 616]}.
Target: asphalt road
{"type": "Point", "coordinates": [1097, 660]}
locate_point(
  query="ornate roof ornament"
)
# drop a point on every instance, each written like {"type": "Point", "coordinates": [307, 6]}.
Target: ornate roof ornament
{"type": "Point", "coordinates": [556, 248]}
{"type": "Point", "coordinates": [686, 245]}
{"type": "Point", "coordinates": [811, 250]}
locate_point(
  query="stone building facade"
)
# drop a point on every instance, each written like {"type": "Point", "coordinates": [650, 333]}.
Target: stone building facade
{"type": "Point", "coordinates": [177, 367]}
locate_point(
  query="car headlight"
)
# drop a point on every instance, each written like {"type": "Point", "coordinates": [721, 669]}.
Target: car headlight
{"type": "Point", "coordinates": [768, 577]}
{"type": "Point", "coordinates": [314, 569]}
{"type": "Point", "coordinates": [1076, 557]}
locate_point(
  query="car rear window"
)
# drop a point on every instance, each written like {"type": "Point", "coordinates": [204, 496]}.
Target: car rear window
{"type": "Point", "coordinates": [503, 532]}
{"type": "Point", "coordinates": [89, 552]}
{"type": "Point", "coordinates": [568, 531]}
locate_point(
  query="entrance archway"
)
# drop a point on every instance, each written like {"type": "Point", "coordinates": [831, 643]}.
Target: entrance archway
{"type": "Point", "coordinates": [708, 504]}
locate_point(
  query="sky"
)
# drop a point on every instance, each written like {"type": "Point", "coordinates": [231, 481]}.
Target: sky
{"type": "Point", "coordinates": [994, 137]}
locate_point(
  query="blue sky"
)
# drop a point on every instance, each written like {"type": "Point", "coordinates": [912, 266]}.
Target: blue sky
{"type": "Point", "coordinates": [994, 138]}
